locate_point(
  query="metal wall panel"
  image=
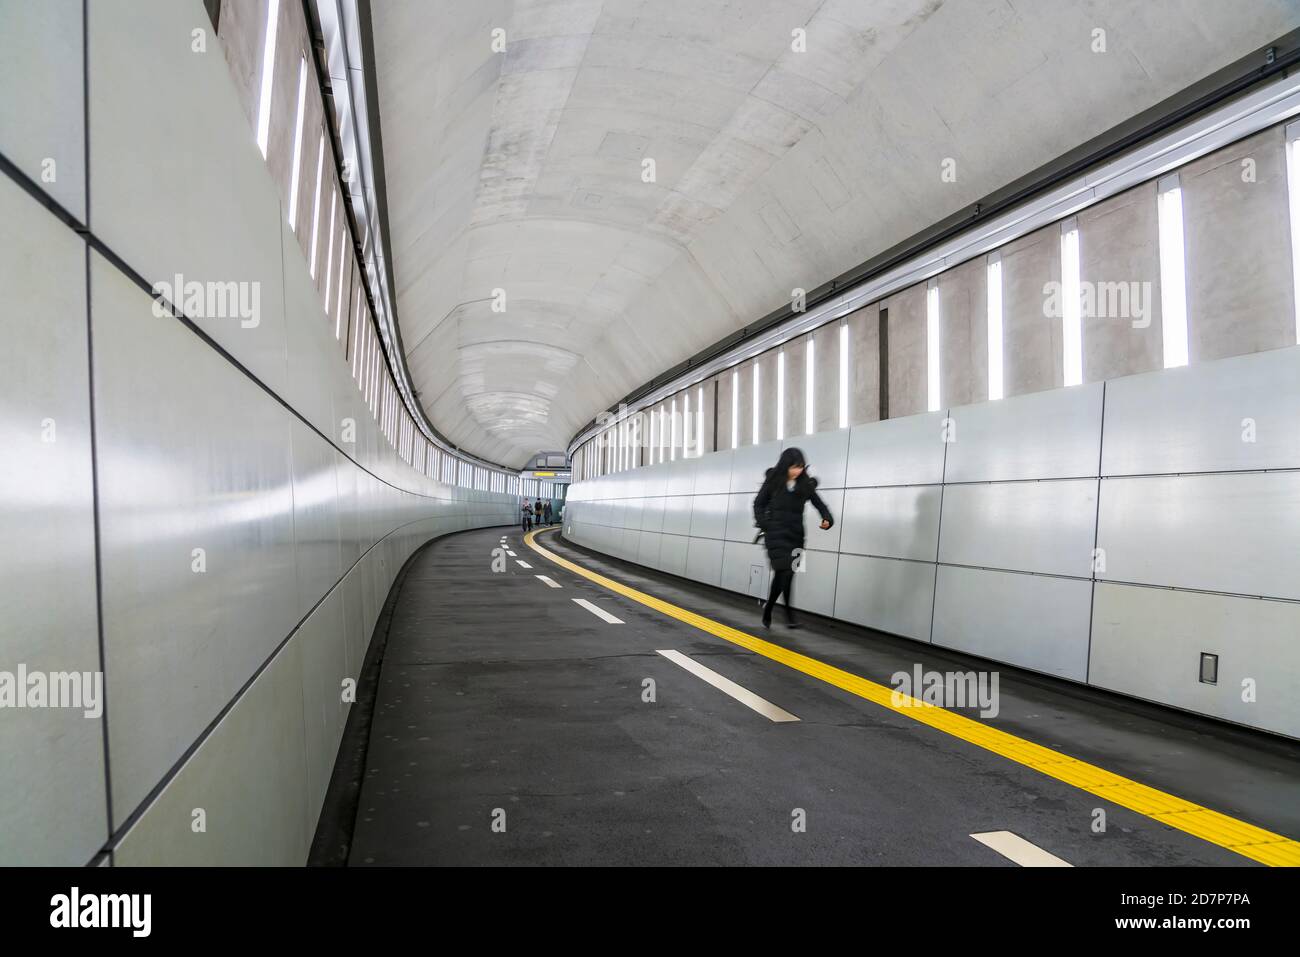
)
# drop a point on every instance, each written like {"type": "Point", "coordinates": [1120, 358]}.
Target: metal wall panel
{"type": "Point", "coordinates": [324, 662]}
{"type": "Point", "coordinates": [740, 517]}
{"type": "Point", "coordinates": [826, 453]}
{"type": "Point", "coordinates": [1231, 415]}
{"type": "Point", "coordinates": [178, 471]}
{"type": "Point", "coordinates": [648, 550]}
{"type": "Point", "coordinates": [1147, 642]}
{"type": "Point", "coordinates": [814, 586]}
{"type": "Point", "coordinates": [42, 113]}
{"type": "Point", "coordinates": [1032, 621]}
{"type": "Point", "coordinates": [1222, 532]}
{"type": "Point", "coordinates": [713, 473]}
{"type": "Point", "coordinates": [677, 515]}
{"type": "Point", "coordinates": [886, 594]}
{"type": "Point", "coordinates": [709, 516]}
{"type": "Point", "coordinates": [704, 560]}
{"type": "Point", "coordinates": [905, 451]}
{"type": "Point", "coordinates": [652, 514]}
{"type": "Point", "coordinates": [681, 476]}
{"type": "Point", "coordinates": [52, 811]}
{"type": "Point", "coordinates": [892, 522]}
{"type": "Point", "coordinates": [1046, 527]}
{"type": "Point", "coordinates": [315, 516]}
{"type": "Point", "coordinates": [672, 554]}
{"type": "Point", "coordinates": [249, 776]}
{"type": "Point", "coordinates": [1053, 434]}
{"type": "Point", "coordinates": [221, 207]}
{"type": "Point", "coordinates": [749, 465]}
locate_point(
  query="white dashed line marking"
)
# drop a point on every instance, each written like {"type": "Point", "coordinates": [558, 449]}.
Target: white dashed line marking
{"type": "Point", "coordinates": [729, 687]}
{"type": "Point", "coordinates": [1016, 848]}
{"type": "Point", "coordinates": [522, 564]}
{"type": "Point", "coordinates": [549, 581]}
{"type": "Point", "coordinates": [598, 611]}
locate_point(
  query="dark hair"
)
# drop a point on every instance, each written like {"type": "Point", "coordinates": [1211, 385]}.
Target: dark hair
{"type": "Point", "coordinates": [789, 459]}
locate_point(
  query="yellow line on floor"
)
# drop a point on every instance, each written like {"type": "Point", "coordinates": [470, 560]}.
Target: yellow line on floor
{"type": "Point", "coordinates": [1239, 836]}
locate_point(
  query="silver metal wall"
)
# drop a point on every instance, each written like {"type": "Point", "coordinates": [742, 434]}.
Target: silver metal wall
{"type": "Point", "coordinates": [224, 668]}
{"type": "Point", "coordinates": [1107, 533]}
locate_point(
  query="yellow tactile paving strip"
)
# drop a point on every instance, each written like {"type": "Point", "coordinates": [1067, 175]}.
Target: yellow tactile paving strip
{"type": "Point", "coordinates": [1245, 839]}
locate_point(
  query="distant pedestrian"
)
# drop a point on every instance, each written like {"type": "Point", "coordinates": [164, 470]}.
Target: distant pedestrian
{"type": "Point", "coordinates": [537, 506]}
{"type": "Point", "coordinates": [778, 512]}
{"type": "Point", "coordinates": [527, 516]}
{"type": "Point", "coordinates": [546, 513]}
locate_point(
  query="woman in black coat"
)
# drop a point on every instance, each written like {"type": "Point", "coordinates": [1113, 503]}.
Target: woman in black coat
{"type": "Point", "coordinates": [778, 511]}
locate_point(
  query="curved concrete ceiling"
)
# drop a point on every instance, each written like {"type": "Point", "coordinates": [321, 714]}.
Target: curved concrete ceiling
{"type": "Point", "coordinates": [774, 168]}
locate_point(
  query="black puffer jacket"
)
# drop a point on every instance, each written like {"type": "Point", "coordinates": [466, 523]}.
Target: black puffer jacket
{"type": "Point", "coordinates": [778, 511]}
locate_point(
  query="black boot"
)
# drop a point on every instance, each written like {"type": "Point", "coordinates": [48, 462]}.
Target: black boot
{"type": "Point", "coordinates": [767, 615]}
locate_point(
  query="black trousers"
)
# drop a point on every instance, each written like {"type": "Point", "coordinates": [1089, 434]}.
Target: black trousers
{"type": "Point", "coordinates": [782, 584]}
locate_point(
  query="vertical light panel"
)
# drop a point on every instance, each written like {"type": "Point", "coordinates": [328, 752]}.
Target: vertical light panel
{"type": "Point", "coordinates": [932, 346]}
{"type": "Point", "coordinates": [809, 419]}
{"type": "Point", "coordinates": [651, 456]}
{"type": "Point", "coordinates": [297, 144]}
{"type": "Point", "coordinates": [268, 75]}
{"type": "Point", "coordinates": [340, 306]}
{"type": "Point", "coordinates": [329, 251]}
{"type": "Point", "coordinates": [663, 432]}
{"type": "Point", "coordinates": [735, 408]}
{"type": "Point", "coordinates": [780, 395]}
{"type": "Point", "coordinates": [1173, 278]}
{"type": "Point", "coordinates": [755, 403]}
{"type": "Point", "coordinates": [672, 448]}
{"type": "Point", "coordinates": [687, 422]}
{"type": "Point", "coordinates": [993, 305]}
{"type": "Point", "coordinates": [844, 375]}
{"type": "Point", "coordinates": [315, 208]}
{"type": "Point", "coordinates": [1071, 319]}
{"type": "Point", "coordinates": [1293, 200]}
{"type": "Point", "coordinates": [699, 420]}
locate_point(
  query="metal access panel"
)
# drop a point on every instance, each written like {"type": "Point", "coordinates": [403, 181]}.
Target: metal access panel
{"type": "Point", "coordinates": [758, 581]}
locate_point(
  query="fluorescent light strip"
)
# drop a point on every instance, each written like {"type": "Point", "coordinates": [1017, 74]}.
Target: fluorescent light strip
{"type": "Point", "coordinates": [297, 145]}
{"type": "Point", "coordinates": [735, 408]}
{"type": "Point", "coordinates": [1293, 205]}
{"type": "Point", "coordinates": [672, 454]}
{"type": "Point", "coordinates": [652, 436]}
{"type": "Point", "coordinates": [755, 367]}
{"type": "Point", "coordinates": [268, 76]}
{"type": "Point", "coordinates": [932, 365]}
{"type": "Point", "coordinates": [699, 421]}
{"type": "Point", "coordinates": [329, 251]}
{"type": "Point", "coordinates": [339, 305]}
{"type": "Point", "coordinates": [844, 375]}
{"type": "Point", "coordinates": [1173, 278]}
{"type": "Point", "coordinates": [687, 422]}
{"type": "Point", "coordinates": [809, 419]}
{"type": "Point", "coordinates": [993, 313]}
{"type": "Point", "coordinates": [1071, 305]}
{"type": "Point", "coordinates": [315, 209]}
{"type": "Point", "coordinates": [780, 395]}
